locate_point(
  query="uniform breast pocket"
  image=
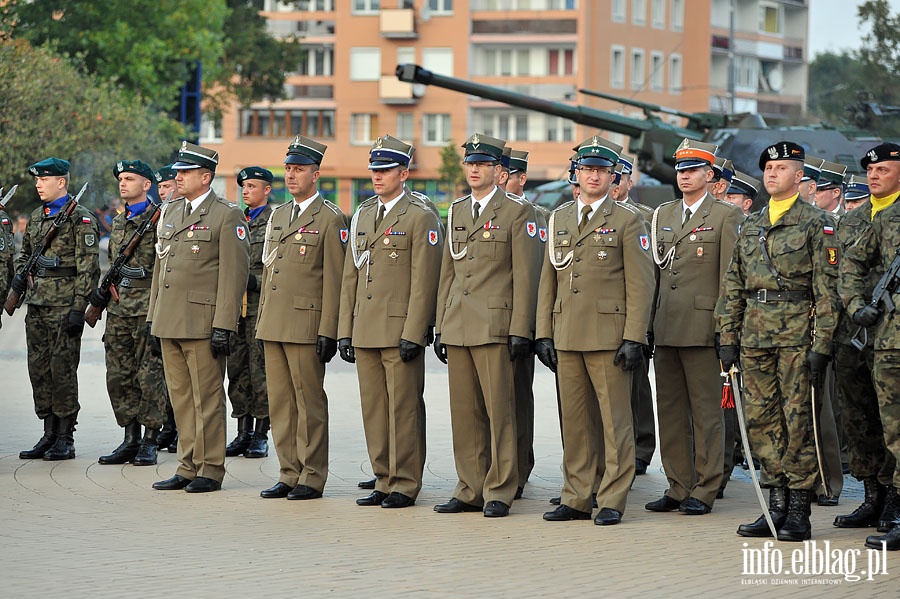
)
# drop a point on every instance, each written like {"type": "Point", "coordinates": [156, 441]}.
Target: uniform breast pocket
{"type": "Point", "coordinates": [197, 243]}
{"type": "Point", "coordinates": [303, 249]}
{"type": "Point", "coordinates": [703, 246]}
{"type": "Point", "coordinates": [605, 250]}
{"type": "Point", "coordinates": [459, 239]}
{"type": "Point", "coordinates": [790, 256]}
{"type": "Point", "coordinates": [492, 244]}
{"type": "Point", "coordinates": [749, 244]}
{"type": "Point", "coordinates": [395, 251]}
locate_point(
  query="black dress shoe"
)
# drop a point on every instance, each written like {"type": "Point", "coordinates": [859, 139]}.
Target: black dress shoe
{"type": "Point", "coordinates": [176, 483]}
{"type": "Point", "coordinates": [455, 506]}
{"type": "Point", "coordinates": [367, 484]}
{"type": "Point", "coordinates": [395, 500]}
{"type": "Point", "coordinates": [694, 507]}
{"type": "Point", "coordinates": [303, 492]}
{"type": "Point", "coordinates": [495, 509]}
{"type": "Point", "coordinates": [279, 491]}
{"type": "Point", "coordinates": [607, 517]}
{"type": "Point", "coordinates": [564, 513]}
{"type": "Point", "coordinates": [555, 500]}
{"type": "Point", "coordinates": [640, 466]}
{"type": "Point", "coordinates": [663, 504]}
{"type": "Point", "coordinates": [373, 498]}
{"type": "Point", "coordinates": [201, 484]}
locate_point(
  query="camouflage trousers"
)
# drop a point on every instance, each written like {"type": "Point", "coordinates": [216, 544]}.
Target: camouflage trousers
{"type": "Point", "coordinates": [53, 359]}
{"type": "Point", "coordinates": [778, 413]}
{"type": "Point", "coordinates": [867, 453]}
{"type": "Point", "coordinates": [247, 373]}
{"type": "Point", "coordinates": [134, 376]}
{"type": "Point", "coordinates": [886, 375]}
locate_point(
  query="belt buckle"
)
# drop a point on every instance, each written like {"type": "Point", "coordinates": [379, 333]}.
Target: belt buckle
{"type": "Point", "coordinates": [40, 272]}
{"type": "Point", "coordinates": [761, 295]}
{"type": "Point", "coordinates": [125, 282]}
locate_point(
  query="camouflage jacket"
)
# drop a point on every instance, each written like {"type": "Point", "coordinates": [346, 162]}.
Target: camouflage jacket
{"type": "Point", "coordinates": [134, 293]}
{"type": "Point", "coordinates": [257, 228]}
{"type": "Point", "coordinates": [804, 253]}
{"type": "Point", "coordinates": [77, 247]}
{"type": "Point", "coordinates": [863, 265]}
{"type": "Point", "coordinates": [7, 252]}
{"type": "Point", "coordinates": [850, 226]}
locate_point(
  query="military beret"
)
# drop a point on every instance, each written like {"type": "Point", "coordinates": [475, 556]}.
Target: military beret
{"type": "Point", "coordinates": [254, 172]}
{"type": "Point", "coordinates": [812, 168]}
{"type": "Point", "coordinates": [49, 167]}
{"type": "Point", "coordinates": [783, 150]}
{"type": "Point", "coordinates": [723, 168]}
{"type": "Point", "coordinates": [165, 173]}
{"type": "Point", "coordinates": [138, 167]}
{"type": "Point", "coordinates": [692, 154]}
{"type": "Point", "coordinates": [857, 188]}
{"type": "Point", "coordinates": [388, 152]}
{"type": "Point", "coordinates": [483, 148]}
{"type": "Point", "coordinates": [881, 153]}
{"type": "Point", "coordinates": [518, 161]}
{"type": "Point", "coordinates": [745, 184]}
{"type": "Point", "coordinates": [832, 175]}
{"type": "Point", "coordinates": [304, 150]}
{"type": "Point", "coordinates": [192, 156]}
{"type": "Point", "coordinates": [597, 151]}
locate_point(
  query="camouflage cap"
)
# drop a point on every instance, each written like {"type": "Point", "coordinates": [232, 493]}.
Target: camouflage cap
{"type": "Point", "coordinates": [192, 156]}
{"type": "Point", "coordinates": [881, 153]}
{"type": "Point", "coordinates": [745, 184]}
{"type": "Point", "coordinates": [857, 188]}
{"type": "Point", "coordinates": [597, 151]}
{"type": "Point", "coordinates": [783, 150]}
{"type": "Point", "coordinates": [49, 167]}
{"type": "Point", "coordinates": [304, 150]}
{"type": "Point", "coordinates": [483, 148]}
{"type": "Point", "coordinates": [723, 168]}
{"type": "Point", "coordinates": [692, 154]}
{"type": "Point", "coordinates": [138, 167]}
{"type": "Point", "coordinates": [166, 173]}
{"type": "Point", "coordinates": [812, 168]}
{"type": "Point", "coordinates": [255, 172]}
{"type": "Point", "coordinates": [832, 175]}
{"type": "Point", "coordinates": [518, 161]}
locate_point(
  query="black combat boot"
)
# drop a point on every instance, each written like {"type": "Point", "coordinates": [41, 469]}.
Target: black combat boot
{"type": "Point", "coordinates": [777, 510]}
{"type": "Point", "coordinates": [259, 444]}
{"type": "Point", "coordinates": [891, 512]}
{"type": "Point", "coordinates": [64, 447]}
{"type": "Point", "coordinates": [126, 451]}
{"type": "Point", "coordinates": [797, 527]}
{"type": "Point", "coordinates": [244, 435]}
{"type": "Point", "coordinates": [44, 443]}
{"type": "Point", "coordinates": [867, 513]}
{"type": "Point", "coordinates": [169, 431]}
{"type": "Point", "coordinates": [146, 455]}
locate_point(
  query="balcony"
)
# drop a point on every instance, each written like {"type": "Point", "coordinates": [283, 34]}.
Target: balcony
{"type": "Point", "coordinates": [398, 23]}
{"type": "Point", "coordinates": [393, 91]}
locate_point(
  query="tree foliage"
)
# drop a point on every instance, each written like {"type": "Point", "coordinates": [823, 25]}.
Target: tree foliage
{"type": "Point", "coordinates": [47, 108]}
{"type": "Point", "coordinates": [451, 171]}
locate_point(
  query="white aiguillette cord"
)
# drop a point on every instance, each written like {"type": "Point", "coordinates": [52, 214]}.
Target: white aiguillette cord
{"type": "Point", "coordinates": [359, 258]}
{"type": "Point", "coordinates": [566, 260]}
{"type": "Point", "coordinates": [668, 258]}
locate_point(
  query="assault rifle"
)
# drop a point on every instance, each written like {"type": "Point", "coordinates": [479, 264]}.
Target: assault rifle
{"type": "Point", "coordinates": [119, 271]}
{"type": "Point", "coordinates": [37, 260]}
{"type": "Point", "coordinates": [881, 296]}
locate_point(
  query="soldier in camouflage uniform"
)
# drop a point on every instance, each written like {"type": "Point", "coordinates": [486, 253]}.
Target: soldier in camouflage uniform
{"type": "Point", "coordinates": [247, 364]}
{"type": "Point", "coordinates": [871, 253]}
{"type": "Point", "coordinates": [7, 253]}
{"type": "Point", "coordinates": [779, 313]}
{"type": "Point", "coordinates": [134, 371]}
{"type": "Point", "coordinates": [56, 304]}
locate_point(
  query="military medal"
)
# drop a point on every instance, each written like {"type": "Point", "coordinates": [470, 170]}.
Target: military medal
{"type": "Point", "coordinates": [394, 255]}
{"type": "Point", "coordinates": [386, 241]}
{"type": "Point", "coordinates": [298, 236]}
{"type": "Point", "coordinates": [693, 237]}
{"type": "Point", "coordinates": [597, 237]}
{"type": "Point", "coordinates": [195, 249]}
{"type": "Point", "coordinates": [565, 242]}
{"type": "Point", "coordinates": [486, 234]}
{"type": "Point", "coordinates": [602, 254]}
{"type": "Point", "coordinates": [190, 233]}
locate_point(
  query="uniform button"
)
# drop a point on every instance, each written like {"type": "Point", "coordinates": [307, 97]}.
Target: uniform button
{"type": "Point", "coordinates": [369, 296]}
{"type": "Point", "coordinates": [576, 275]}
{"type": "Point", "coordinates": [274, 287]}
{"type": "Point", "coordinates": [674, 272]}
{"type": "Point", "coordinates": [674, 286]}
{"type": "Point", "coordinates": [574, 291]}
{"type": "Point", "coordinates": [276, 271]}
{"type": "Point", "coordinates": [465, 293]}
{"type": "Point", "coordinates": [312, 305]}
{"type": "Point", "coordinates": [579, 244]}
{"type": "Point", "coordinates": [471, 257]}
{"type": "Point", "coordinates": [577, 259]}
{"type": "Point", "coordinates": [167, 285]}
{"type": "Point", "coordinates": [168, 270]}
{"type": "Point", "coordinates": [280, 256]}
{"type": "Point", "coordinates": [678, 257]}
{"type": "Point", "coordinates": [176, 239]}
{"type": "Point", "coordinates": [468, 274]}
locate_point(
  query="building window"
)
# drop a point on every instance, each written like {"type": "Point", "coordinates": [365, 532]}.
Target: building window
{"type": "Point", "coordinates": [438, 60]}
{"type": "Point", "coordinates": [617, 67]}
{"type": "Point", "coordinates": [437, 129]}
{"type": "Point", "coordinates": [511, 127]}
{"type": "Point", "coordinates": [560, 62]}
{"type": "Point", "coordinates": [658, 14]}
{"type": "Point", "coordinates": [440, 7]}
{"type": "Point", "coordinates": [558, 129]}
{"type": "Point", "coordinates": [406, 54]}
{"type": "Point", "coordinates": [675, 73]}
{"type": "Point", "coordinates": [638, 69]}
{"type": "Point", "coordinates": [405, 126]}
{"type": "Point", "coordinates": [309, 5]}
{"type": "Point", "coordinates": [618, 11]}
{"type": "Point", "coordinates": [746, 73]}
{"type": "Point", "coordinates": [267, 122]}
{"type": "Point", "coordinates": [677, 15]}
{"type": "Point", "coordinates": [363, 128]}
{"type": "Point", "coordinates": [365, 64]}
{"type": "Point", "coordinates": [771, 18]}
{"type": "Point", "coordinates": [210, 128]}
{"type": "Point", "coordinates": [506, 62]}
{"type": "Point", "coordinates": [318, 62]}
{"type": "Point", "coordinates": [657, 71]}
{"type": "Point", "coordinates": [361, 7]}
{"type": "Point", "coordinates": [639, 12]}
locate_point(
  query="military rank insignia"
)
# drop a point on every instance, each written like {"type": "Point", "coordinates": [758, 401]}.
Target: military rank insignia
{"type": "Point", "coordinates": [345, 235]}
{"type": "Point", "coordinates": [531, 228]}
{"type": "Point", "coordinates": [241, 232]}
{"type": "Point", "coordinates": [645, 242]}
{"type": "Point", "coordinates": [432, 237]}
{"type": "Point", "coordinates": [832, 255]}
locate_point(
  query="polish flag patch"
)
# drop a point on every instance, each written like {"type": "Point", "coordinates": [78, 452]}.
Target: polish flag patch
{"type": "Point", "coordinates": [828, 230]}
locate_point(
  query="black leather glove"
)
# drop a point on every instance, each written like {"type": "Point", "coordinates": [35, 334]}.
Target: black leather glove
{"type": "Point", "coordinates": [866, 316]}
{"type": "Point", "coordinates": [429, 336]}
{"type": "Point", "coordinates": [651, 345]}
{"type": "Point", "coordinates": [519, 347]}
{"type": "Point", "coordinates": [717, 338]}
{"type": "Point", "coordinates": [220, 342]}
{"type": "Point", "coordinates": [153, 341]}
{"type": "Point", "coordinates": [817, 364]}
{"type": "Point", "coordinates": [326, 347]}
{"type": "Point", "coordinates": [252, 283]}
{"type": "Point", "coordinates": [629, 355]}
{"type": "Point", "coordinates": [729, 355]}
{"type": "Point", "coordinates": [345, 346]}
{"type": "Point", "coordinates": [546, 353]}
{"type": "Point", "coordinates": [75, 323]}
{"type": "Point", "coordinates": [440, 350]}
{"type": "Point", "coordinates": [99, 299]}
{"type": "Point", "coordinates": [409, 351]}
{"type": "Point", "coordinates": [242, 326]}
{"type": "Point", "coordinates": [19, 283]}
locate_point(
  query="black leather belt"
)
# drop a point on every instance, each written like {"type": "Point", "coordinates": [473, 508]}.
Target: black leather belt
{"type": "Point", "coordinates": [766, 296]}
{"type": "Point", "coordinates": [135, 283]}
{"type": "Point", "coordinates": [65, 271]}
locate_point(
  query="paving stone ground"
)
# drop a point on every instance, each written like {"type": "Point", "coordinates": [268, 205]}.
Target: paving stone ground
{"type": "Point", "coordinates": [78, 529]}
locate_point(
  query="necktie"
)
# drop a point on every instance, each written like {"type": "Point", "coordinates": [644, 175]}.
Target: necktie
{"type": "Point", "coordinates": [687, 215]}
{"type": "Point", "coordinates": [295, 211]}
{"type": "Point", "coordinates": [585, 217]}
{"type": "Point", "coordinates": [379, 217]}
{"type": "Point", "coordinates": [476, 210]}
{"type": "Point", "coordinates": [187, 208]}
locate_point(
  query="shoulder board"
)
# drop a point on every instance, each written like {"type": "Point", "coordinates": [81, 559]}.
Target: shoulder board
{"type": "Point", "coordinates": [462, 199]}
{"type": "Point", "coordinates": [729, 205]}
{"type": "Point", "coordinates": [666, 203]}
{"type": "Point", "coordinates": [226, 202]}
{"type": "Point", "coordinates": [517, 199]}
{"type": "Point", "coordinates": [628, 207]}
{"type": "Point", "coordinates": [565, 205]}
{"type": "Point", "coordinates": [419, 195]}
{"type": "Point", "coordinates": [333, 208]}
{"type": "Point", "coordinates": [418, 203]}
{"type": "Point", "coordinates": [281, 206]}
{"type": "Point", "coordinates": [367, 202]}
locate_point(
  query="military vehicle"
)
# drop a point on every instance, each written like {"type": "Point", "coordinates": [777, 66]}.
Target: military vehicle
{"type": "Point", "coordinates": [742, 138]}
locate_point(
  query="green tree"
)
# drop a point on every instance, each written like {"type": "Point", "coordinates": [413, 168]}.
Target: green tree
{"type": "Point", "coordinates": [47, 108]}
{"type": "Point", "coordinates": [451, 171]}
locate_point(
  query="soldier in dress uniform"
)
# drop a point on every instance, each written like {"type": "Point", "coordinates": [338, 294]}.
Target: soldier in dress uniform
{"type": "Point", "coordinates": [723, 171]}
{"type": "Point", "coordinates": [869, 457]}
{"type": "Point", "coordinates": [485, 319]}
{"type": "Point", "coordinates": [594, 304]}
{"type": "Point", "coordinates": [784, 267]}
{"type": "Point", "coordinates": [830, 189]}
{"type": "Point", "coordinates": [388, 295]}
{"type": "Point", "coordinates": [742, 191]}
{"type": "Point", "coordinates": [812, 168]}
{"type": "Point", "coordinates": [202, 263]}
{"type": "Point", "coordinates": [856, 191]}
{"type": "Point", "coordinates": [134, 370]}
{"type": "Point", "coordinates": [56, 304]}
{"type": "Point", "coordinates": [246, 365]}
{"type": "Point", "coordinates": [299, 304]}
{"type": "Point", "coordinates": [692, 239]}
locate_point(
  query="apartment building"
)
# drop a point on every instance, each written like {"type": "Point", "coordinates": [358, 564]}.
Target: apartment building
{"type": "Point", "coordinates": [345, 94]}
